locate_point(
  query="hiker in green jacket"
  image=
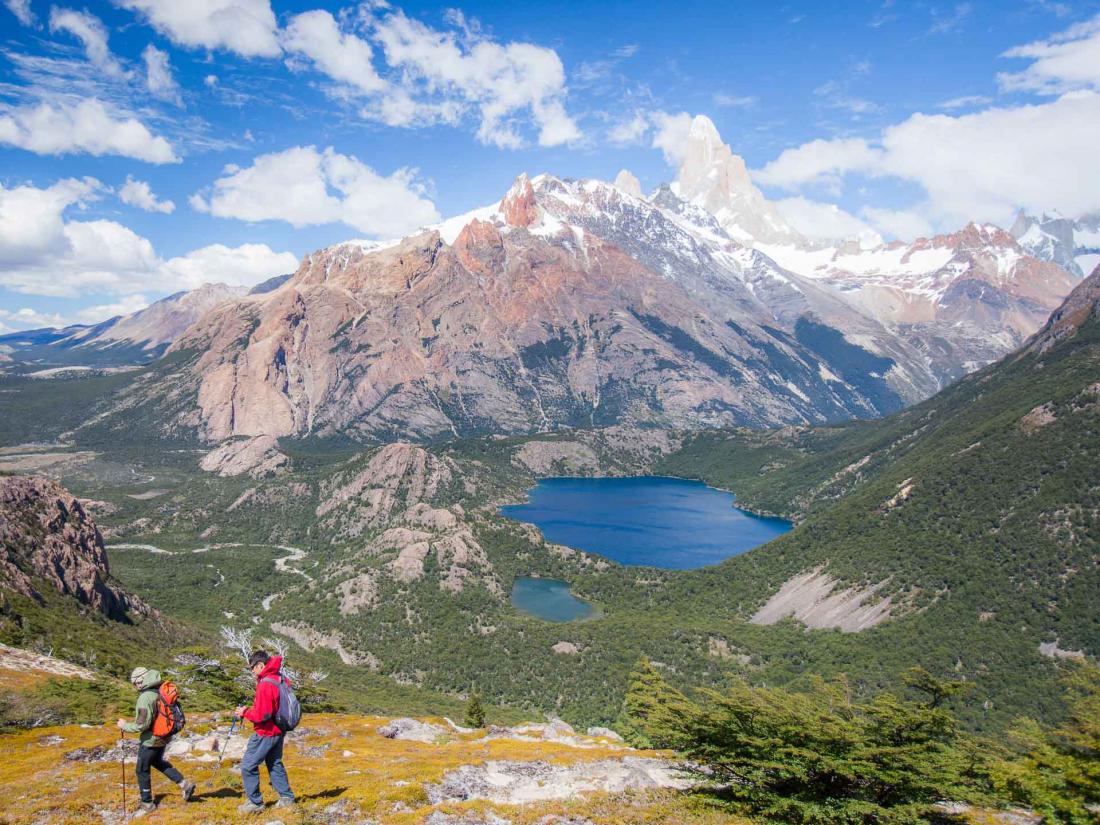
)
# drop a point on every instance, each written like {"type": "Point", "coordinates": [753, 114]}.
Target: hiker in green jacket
{"type": "Point", "coordinates": [150, 747]}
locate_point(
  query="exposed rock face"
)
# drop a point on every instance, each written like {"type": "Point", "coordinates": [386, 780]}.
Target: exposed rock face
{"type": "Point", "coordinates": [813, 599]}
{"type": "Point", "coordinates": [259, 457]}
{"type": "Point", "coordinates": [45, 533]}
{"type": "Point", "coordinates": [310, 639]}
{"type": "Point", "coordinates": [396, 500]}
{"type": "Point", "coordinates": [545, 458]}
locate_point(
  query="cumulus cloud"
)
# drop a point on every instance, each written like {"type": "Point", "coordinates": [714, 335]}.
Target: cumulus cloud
{"type": "Point", "coordinates": [305, 187]}
{"type": "Point", "coordinates": [907, 224]}
{"type": "Point", "coordinates": [671, 135]}
{"type": "Point", "coordinates": [246, 27]}
{"type": "Point", "coordinates": [982, 165]}
{"type": "Point", "coordinates": [1067, 61]}
{"type": "Point", "coordinates": [985, 164]}
{"type": "Point", "coordinates": [244, 265]}
{"type": "Point", "coordinates": [316, 37]}
{"type": "Point", "coordinates": [90, 31]}
{"type": "Point", "coordinates": [158, 75]}
{"type": "Point", "coordinates": [434, 76]}
{"type": "Point", "coordinates": [81, 126]}
{"type": "Point", "coordinates": [22, 10]}
{"type": "Point", "coordinates": [100, 312]}
{"type": "Point", "coordinates": [28, 318]}
{"type": "Point", "coordinates": [45, 251]}
{"type": "Point", "coordinates": [138, 193]}
{"type": "Point", "coordinates": [825, 221]}
{"type": "Point", "coordinates": [819, 162]}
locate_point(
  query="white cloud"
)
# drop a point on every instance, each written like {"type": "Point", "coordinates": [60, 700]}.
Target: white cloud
{"type": "Point", "coordinates": [138, 193]}
{"type": "Point", "coordinates": [82, 126]}
{"type": "Point", "coordinates": [965, 102]}
{"type": "Point", "coordinates": [979, 166]}
{"type": "Point", "coordinates": [819, 161]}
{"type": "Point", "coordinates": [245, 265]}
{"type": "Point", "coordinates": [43, 252]}
{"type": "Point", "coordinates": [90, 30]}
{"type": "Point", "coordinates": [304, 187]}
{"type": "Point", "coordinates": [442, 72]}
{"type": "Point", "coordinates": [158, 75]}
{"type": "Point", "coordinates": [1068, 60]}
{"type": "Point", "coordinates": [22, 10]}
{"type": "Point", "coordinates": [904, 224]}
{"type": "Point", "coordinates": [982, 165]}
{"type": "Point", "coordinates": [246, 27]}
{"type": "Point", "coordinates": [825, 221]}
{"type": "Point", "coordinates": [27, 318]}
{"type": "Point", "coordinates": [100, 312]}
{"type": "Point", "coordinates": [671, 135]}
{"type": "Point", "coordinates": [30, 218]}
{"type": "Point", "coordinates": [210, 81]}
{"type": "Point", "coordinates": [341, 55]}
{"type": "Point", "coordinates": [629, 131]}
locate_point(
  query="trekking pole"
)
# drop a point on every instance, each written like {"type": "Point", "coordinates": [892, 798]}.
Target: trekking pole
{"type": "Point", "coordinates": [122, 755]}
{"type": "Point", "coordinates": [221, 752]}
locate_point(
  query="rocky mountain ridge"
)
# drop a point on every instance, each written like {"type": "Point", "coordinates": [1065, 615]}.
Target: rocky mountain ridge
{"type": "Point", "coordinates": [47, 537]}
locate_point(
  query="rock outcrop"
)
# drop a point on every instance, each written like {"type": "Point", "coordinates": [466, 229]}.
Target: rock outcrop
{"type": "Point", "coordinates": [259, 457]}
{"type": "Point", "coordinates": [46, 537]}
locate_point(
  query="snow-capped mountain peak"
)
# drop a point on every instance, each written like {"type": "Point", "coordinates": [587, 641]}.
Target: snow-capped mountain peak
{"type": "Point", "coordinates": [713, 177]}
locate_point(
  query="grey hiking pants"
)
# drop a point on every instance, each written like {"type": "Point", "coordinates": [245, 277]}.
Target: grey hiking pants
{"type": "Point", "coordinates": [264, 750]}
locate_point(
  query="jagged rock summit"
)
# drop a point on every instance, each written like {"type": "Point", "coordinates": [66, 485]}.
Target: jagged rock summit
{"type": "Point", "coordinates": [715, 179]}
{"type": "Point", "coordinates": [46, 537]}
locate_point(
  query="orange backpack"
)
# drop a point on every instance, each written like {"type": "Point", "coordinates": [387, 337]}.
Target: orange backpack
{"type": "Point", "coordinates": [169, 719]}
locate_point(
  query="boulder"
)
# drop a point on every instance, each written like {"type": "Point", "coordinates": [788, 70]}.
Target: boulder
{"type": "Point", "coordinates": [412, 730]}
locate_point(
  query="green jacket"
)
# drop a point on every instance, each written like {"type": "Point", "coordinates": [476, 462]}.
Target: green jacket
{"type": "Point", "coordinates": [145, 711]}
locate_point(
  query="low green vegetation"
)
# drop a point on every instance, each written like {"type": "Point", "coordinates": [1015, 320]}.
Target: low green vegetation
{"type": "Point", "coordinates": [822, 756]}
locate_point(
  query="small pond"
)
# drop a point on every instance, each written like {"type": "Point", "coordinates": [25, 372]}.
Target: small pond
{"type": "Point", "coordinates": [549, 599]}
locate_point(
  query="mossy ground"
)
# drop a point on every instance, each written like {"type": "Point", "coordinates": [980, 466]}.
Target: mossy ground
{"type": "Point", "coordinates": [381, 778]}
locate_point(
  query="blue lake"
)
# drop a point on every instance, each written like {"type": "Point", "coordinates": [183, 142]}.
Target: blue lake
{"type": "Point", "coordinates": [549, 599]}
{"type": "Point", "coordinates": [647, 520]}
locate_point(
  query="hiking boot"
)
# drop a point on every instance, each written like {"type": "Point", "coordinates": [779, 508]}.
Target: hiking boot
{"type": "Point", "coordinates": [145, 808]}
{"type": "Point", "coordinates": [285, 802]}
{"type": "Point", "coordinates": [188, 789]}
{"type": "Point", "coordinates": [249, 808]}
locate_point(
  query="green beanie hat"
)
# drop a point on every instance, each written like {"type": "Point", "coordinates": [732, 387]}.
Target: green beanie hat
{"type": "Point", "coordinates": [138, 675]}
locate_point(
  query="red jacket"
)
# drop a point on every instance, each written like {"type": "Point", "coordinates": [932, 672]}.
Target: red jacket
{"type": "Point", "coordinates": [266, 701]}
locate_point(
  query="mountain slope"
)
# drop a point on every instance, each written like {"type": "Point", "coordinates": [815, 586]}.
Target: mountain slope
{"type": "Point", "coordinates": [963, 299]}
{"type": "Point", "coordinates": [135, 338]}
{"type": "Point", "coordinates": [567, 304]}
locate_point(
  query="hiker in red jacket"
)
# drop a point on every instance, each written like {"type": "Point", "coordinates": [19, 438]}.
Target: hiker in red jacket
{"type": "Point", "coordinates": [265, 746]}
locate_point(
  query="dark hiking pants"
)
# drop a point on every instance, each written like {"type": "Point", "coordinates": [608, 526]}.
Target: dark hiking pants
{"type": "Point", "coordinates": [153, 758]}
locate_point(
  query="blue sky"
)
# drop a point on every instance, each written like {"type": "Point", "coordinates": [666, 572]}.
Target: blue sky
{"type": "Point", "coordinates": [275, 128]}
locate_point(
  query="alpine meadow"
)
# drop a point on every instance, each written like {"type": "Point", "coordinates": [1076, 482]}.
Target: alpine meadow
{"type": "Point", "coordinates": [663, 414]}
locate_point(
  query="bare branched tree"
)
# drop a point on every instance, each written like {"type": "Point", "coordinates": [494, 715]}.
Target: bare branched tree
{"type": "Point", "coordinates": [238, 640]}
{"type": "Point", "coordinates": [277, 645]}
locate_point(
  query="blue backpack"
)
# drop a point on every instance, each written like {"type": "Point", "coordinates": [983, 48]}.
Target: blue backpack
{"type": "Point", "coordinates": [288, 713]}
